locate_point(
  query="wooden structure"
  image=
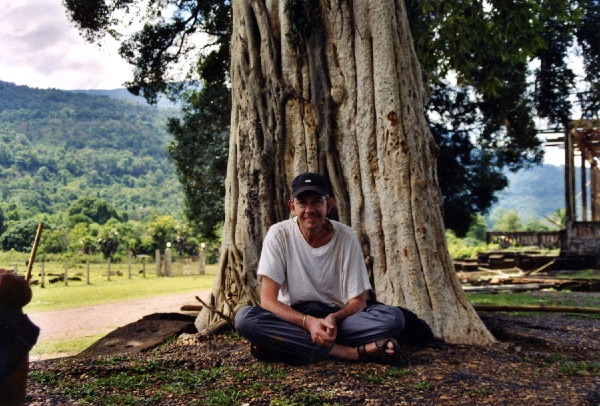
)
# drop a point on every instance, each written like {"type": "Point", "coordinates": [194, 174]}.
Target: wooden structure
{"type": "Point", "coordinates": [542, 239]}
{"type": "Point", "coordinates": [582, 237]}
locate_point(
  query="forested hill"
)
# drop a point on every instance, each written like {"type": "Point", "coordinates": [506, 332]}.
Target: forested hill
{"type": "Point", "coordinates": [534, 193]}
{"type": "Point", "coordinates": [123, 94]}
{"type": "Point", "coordinates": [56, 146]}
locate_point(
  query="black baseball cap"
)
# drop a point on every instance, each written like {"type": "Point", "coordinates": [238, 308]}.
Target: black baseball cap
{"type": "Point", "coordinates": [309, 182]}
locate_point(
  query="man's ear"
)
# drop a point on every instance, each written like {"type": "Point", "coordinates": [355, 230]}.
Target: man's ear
{"type": "Point", "coordinates": [330, 204]}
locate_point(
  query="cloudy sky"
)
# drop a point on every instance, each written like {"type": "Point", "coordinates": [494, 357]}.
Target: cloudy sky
{"type": "Point", "coordinates": [40, 48]}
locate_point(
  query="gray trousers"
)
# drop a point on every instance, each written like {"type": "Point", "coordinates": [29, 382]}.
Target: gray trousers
{"type": "Point", "coordinates": [288, 342]}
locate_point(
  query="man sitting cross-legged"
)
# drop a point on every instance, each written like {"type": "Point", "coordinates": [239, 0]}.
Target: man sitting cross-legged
{"type": "Point", "coordinates": [314, 282]}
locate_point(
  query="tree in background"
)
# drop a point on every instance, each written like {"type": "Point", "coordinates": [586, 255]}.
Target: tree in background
{"type": "Point", "coordinates": [167, 59]}
{"type": "Point", "coordinates": [13, 213]}
{"type": "Point", "coordinates": [199, 150]}
{"type": "Point", "coordinates": [535, 225]}
{"type": "Point", "coordinates": [506, 220]}
{"type": "Point", "coordinates": [2, 219]}
{"type": "Point", "coordinates": [54, 240]}
{"type": "Point", "coordinates": [482, 123]}
{"type": "Point", "coordinates": [485, 119]}
{"type": "Point", "coordinates": [134, 239]}
{"type": "Point", "coordinates": [82, 238]}
{"type": "Point", "coordinates": [165, 229]}
{"type": "Point", "coordinates": [478, 228]}
{"type": "Point", "coordinates": [558, 219]}
{"type": "Point", "coordinates": [108, 238]}
{"type": "Point", "coordinates": [20, 236]}
{"type": "Point", "coordinates": [95, 209]}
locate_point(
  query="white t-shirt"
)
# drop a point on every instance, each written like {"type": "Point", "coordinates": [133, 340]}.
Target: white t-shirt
{"type": "Point", "coordinates": [331, 274]}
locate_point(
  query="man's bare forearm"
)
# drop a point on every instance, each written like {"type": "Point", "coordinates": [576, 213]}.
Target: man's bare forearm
{"type": "Point", "coordinates": [354, 306]}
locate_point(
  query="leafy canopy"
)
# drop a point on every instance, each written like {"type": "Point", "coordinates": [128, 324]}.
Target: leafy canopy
{"type": "Point", "coordinates": [20, 237]}
{"type": "Point", "coordinates": [97, 210]}
{"type": "Point", "coordinates": [483, 122]}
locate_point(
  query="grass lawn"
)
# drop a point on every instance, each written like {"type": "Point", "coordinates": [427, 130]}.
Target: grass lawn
{"type": "Point", "coordinates": [62, 348]}
{"type": "Point", "coordinates": [56, 296]}
{"type": "Point", "coordinates": [539, 298]}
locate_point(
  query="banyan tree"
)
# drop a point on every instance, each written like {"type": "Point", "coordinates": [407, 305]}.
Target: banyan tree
{"type": "Point", "coordinates": [335, 87]}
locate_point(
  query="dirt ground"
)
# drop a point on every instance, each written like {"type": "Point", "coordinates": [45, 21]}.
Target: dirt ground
{"type": "Point", "coordinates": [540, 359]}
{"type": "Point", "coordinates": [70, 324]}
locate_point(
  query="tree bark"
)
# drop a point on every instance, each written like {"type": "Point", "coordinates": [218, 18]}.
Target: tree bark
{"type": "Point", "coordinates": [334, 86]}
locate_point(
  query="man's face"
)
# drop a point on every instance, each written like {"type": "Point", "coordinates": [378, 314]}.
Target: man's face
{"type": "Point", "coordinates": [311, 209]}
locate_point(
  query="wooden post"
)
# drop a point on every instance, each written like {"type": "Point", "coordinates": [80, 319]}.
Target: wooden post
{"type": "Point", "coordinates": [108, 269]}
{"type": "Point", "coordinates": [202, 258]}
{"type": "Point", "coordinates": [595, 191]}
{"type": "Point", "coordinates": [42, 275]}
{"type": "Point", "coordinates": [129, 265]}
{"type": "Point", "coordinates": [584, 188]}
{"type": "Point", "coordinates": [66, 273]}
{"type": "Point", "coordinates": [36, 241]}
{"type": "Point", "coordinates": [87, 272]}
{"type": "Point", "coordinates": [157, 261]}
{"type": "Point", "coordinates": [144, 266]}
{"type": "Point", "coordinates": [569, 179]}
{"type": "Point", "coordinates": [168, 260]}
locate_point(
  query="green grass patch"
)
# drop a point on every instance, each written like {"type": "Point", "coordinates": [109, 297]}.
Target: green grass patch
{"type": "Point", "coordinates": [271, 372]}
{"type": "Point", "coordinates": [223, 397]}
{"type": "Point", "coordinates": [101, 290]}
{"type": "Point", "coordinates": [536, 298]}
{"type": "Point", "coordinates": [514, 299]}
{"type": "Point", "coordinates": [47, 378]}
{"type": "Point", "coordinates": [526, 359]}
{"type": "Point", "coordinates": [70, 346]}
{"type": "Point", "coordinates": [423, 385]}
{"type": "Point", "coordinates": [384, 375]}
{"type": "Point", "coordinates": [582, 368]}
{"type": "Point", "coordinates": [581, 274]}
{"type": "Point", "coordinates": [569, 367]}
{"type": "Point", "coordinates": [168, 377]}
{"type": "Point", "coordinates": [306, 397]}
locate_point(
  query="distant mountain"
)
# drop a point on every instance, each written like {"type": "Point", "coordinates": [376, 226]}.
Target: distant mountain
{"type": "Point", "coordinates": [534, 193]}
{"type": "Point", "coordinates": [58, 145]}
{"type": "Point", "coordinates": [123, 94]}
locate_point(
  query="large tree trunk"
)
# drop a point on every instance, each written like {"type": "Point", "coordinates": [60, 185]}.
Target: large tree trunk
{"type": "Point", "coordinates": [334, 86]}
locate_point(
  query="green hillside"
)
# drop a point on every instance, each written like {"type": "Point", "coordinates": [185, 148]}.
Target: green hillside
{"type": "Point", "coordinates": [534, 193]}
{"type": "Point", "coordinates": [123, 94]}
{"type": "Point", "coordinates": [56, 146]}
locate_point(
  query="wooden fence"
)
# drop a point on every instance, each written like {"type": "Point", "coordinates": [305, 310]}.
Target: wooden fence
{"type": "Point", "coordinates": [541, 239]}
{"type": "Point", "coordinates": [163, 264]}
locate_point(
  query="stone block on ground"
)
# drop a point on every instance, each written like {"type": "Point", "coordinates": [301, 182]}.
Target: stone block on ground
{"type": "Point", "coordinates": [142, 335]}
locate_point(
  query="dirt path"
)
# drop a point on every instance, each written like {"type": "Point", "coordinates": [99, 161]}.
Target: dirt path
{"type": "Point", "coordinates": [71, 324]}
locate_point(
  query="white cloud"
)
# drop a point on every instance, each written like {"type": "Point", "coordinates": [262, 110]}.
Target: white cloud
{"type": "Point", "coordinates": [40, 48]}
{"type": "Point", "coordinates": [554, 156]}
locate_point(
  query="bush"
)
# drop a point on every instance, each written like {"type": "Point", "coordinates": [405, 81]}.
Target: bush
{"type": "Point", "coordinates": [19, 237]}
{"type": "Point", "coordinates": [464, 248]}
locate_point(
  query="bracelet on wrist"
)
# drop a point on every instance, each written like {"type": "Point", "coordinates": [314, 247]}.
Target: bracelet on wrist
{"type": "Point", "coordinates": [304, 321]}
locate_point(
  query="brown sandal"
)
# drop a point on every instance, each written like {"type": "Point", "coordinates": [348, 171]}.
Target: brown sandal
{"type": "Point", "coordinates": [380, 356]}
